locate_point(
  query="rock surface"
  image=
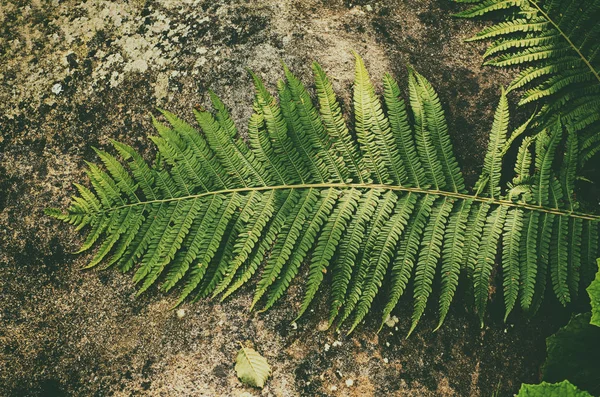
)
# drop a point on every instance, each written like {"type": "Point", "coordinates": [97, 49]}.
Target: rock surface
{"type": "Point", "coordinates": [75, 74]}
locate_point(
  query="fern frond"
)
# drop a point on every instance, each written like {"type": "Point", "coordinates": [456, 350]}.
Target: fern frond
{"type": "Point", "coordinates": [407, 251]}
{"type": "Point", "coordinates": [291, 164]}
{"type": "Point", "coordinates": [528, 258]}
{"type": "Point", "coordinates": [574, 234]}
{"type": "Point", "coordinates": [382, 213]}
{"type": "Point", "coordinates": [546, 144]}
{"type": "Point", "coordinates": [431, 247]}
{"type": "Point", "coordinates": [589, 251]}
{"type": "Point", "coordinates": [238, 223]}
{"type": "Point", "coordinates": [311, 122]}
{"type": "Point", "coordinates": [208, 245]}
{"type": "Point", "coordinates": [425, 146]}
{"type": "Point", "coordinates": [383, 253]}
{"type": "Point", "coordinates": [315, 166]}
{"type": "Point", "coordinates": [286, 240]}
{"type": "Point", "coordinates": [350, 245]}
{"type": "Point", "coordinates": [511, 252]}
{"type": "Point", "coordinates": [403, 132]}
{"type": "Point", "coordinates": [492, 165]}
{"type": "Point", "coordinates": [378, 209]}
{"type": "Point", "coordinates": [544, 238]}
{"type": "Point", "coordinates": [373, 130]}
{"type": "Point", "coordinates": [487, 6]}
{"type": "Point", "coordinates": [335, 125]}
{"type": "Point", "coordinates": [435, 122]}
{"type": "Point", "coordinates": [452, 255]}
{"type": "Point", "coordinates": [247, 240]}
{"type": "Point", "coordinates": [326, 244]}
{"type": "Point", "coordinates": [309, 233]}
{"type": "Point", "coordinates": [558, 43]}
{"type": "Point", "coordinates": [212, 171]}
{"type": "Point", "coordinates": [193, 241]}
{"type": "Point", "coordinates": [523, 164]}
{"type": "Point", "coordinates": [508, 27]}
{"type": "Point", "coordinates": [486, 258]}
{"type": "Point", "coordinates": [284, 203]}
{"type": "Point", "coordinates": [475, 224]}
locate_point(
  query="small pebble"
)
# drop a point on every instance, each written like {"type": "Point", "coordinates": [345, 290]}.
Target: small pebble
{"type": "Point", "coordinates": [57, 88]}
{"type": "Point", "coordinates": [327, 347]}
{"type": "Point", "coordinates": [337, 343]}
{"type": "Point", "coordinates": [385, 360]}
{"type": "Point", "coordinates": [294, 325]}
{"type": "Point", "coordinates": [333, 388]}
{"type": "Point", "coordinates": [349, 382]}
{"type": "Point", "coordinates": [180, 313]}
{"type": "Point", "coordinates": [391, 321]}
{"type": "Point", "coordinates": [323, 326]}
{"type": "Point", "coordinates": [368, 8]}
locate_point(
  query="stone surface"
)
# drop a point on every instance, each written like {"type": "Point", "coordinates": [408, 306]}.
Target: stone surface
{"type": "Point", "coordinates": [76, 74]}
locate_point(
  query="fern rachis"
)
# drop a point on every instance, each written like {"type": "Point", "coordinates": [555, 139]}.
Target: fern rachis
{"type": "Point", "coordinates": [376, 211]}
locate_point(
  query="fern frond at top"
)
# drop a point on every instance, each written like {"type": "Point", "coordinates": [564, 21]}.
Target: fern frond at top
{"type": "Point", "coordinates": [557, 46]}
{"type": "Point", "coordinates": [373, 213]}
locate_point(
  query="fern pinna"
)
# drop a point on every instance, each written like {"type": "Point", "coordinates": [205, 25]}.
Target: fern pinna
{"type": "Point", "coordinates": [369, 211]}
{"type": "Point", "coordinates": [557, 45]}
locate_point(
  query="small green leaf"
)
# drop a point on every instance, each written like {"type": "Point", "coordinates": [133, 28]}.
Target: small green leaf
{"type": "Point", "coordinates": [544, 389]}
{"type": "Point", "coordinates": [594, 292]}
{"type": "Point", "coordinates": [251, 367]}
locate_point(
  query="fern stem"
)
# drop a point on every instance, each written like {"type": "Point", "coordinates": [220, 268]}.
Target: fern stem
{"type": "Point", "coordinates": [443, 193]}
{"type": "Point", "coordinates": [563, 34]}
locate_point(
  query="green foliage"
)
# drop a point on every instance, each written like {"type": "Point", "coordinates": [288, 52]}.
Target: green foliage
{"type": "Point", "coordinates": [376, 211]}
{"type": "Point", "coordinates": [252, 368]}
{"type": "Point", "coordinates": [544, 389]}
{"type": "Point", "coordinates": [573, 354]}
{"type": "Point", "coordinates": [594, 292]}
{"type": "Point", "coordinates": [556, 45]}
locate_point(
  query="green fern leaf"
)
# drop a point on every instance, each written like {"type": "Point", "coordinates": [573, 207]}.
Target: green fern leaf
{"type": "Point", "coordinates": [510, 258]}
{"type": "Point", "coordinates": [557, 43]}
{"type": "Point", "coordinates": [492, 165]}
{"type": "Point", "coordinates": [407, 251]}
{"type": "Point", "coordinates": [378, 207]}
{"type": "Point", "coordinates": [326, 244]}
{"type": "Point", "coordinates": [350, 245]}
{"type": "Point", "coordinates": [246, 241]}
{"type": "Point", "coordinates": [286, 240]}
{"type": "Point", "coordinates": [430, 254]}
{"type": "Point", "coordinates": [309, 233]}
{"type": "Point", "coordinates": [453, 255]}
{"type": "Point", "coordinates": [528, 258]}
{"type": "Point", "coordinates": [489, 6]}
{"type": "Point", "coordinates": [334, 124]}
{"type": "Point", "coordinates": [486, 258]}
{"type": "Point", "coordinates": [383, 252]}
{"type": "Point", "coordinates": [383, 210]}
{"type": "Point", "coordinates": [435, 122]}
